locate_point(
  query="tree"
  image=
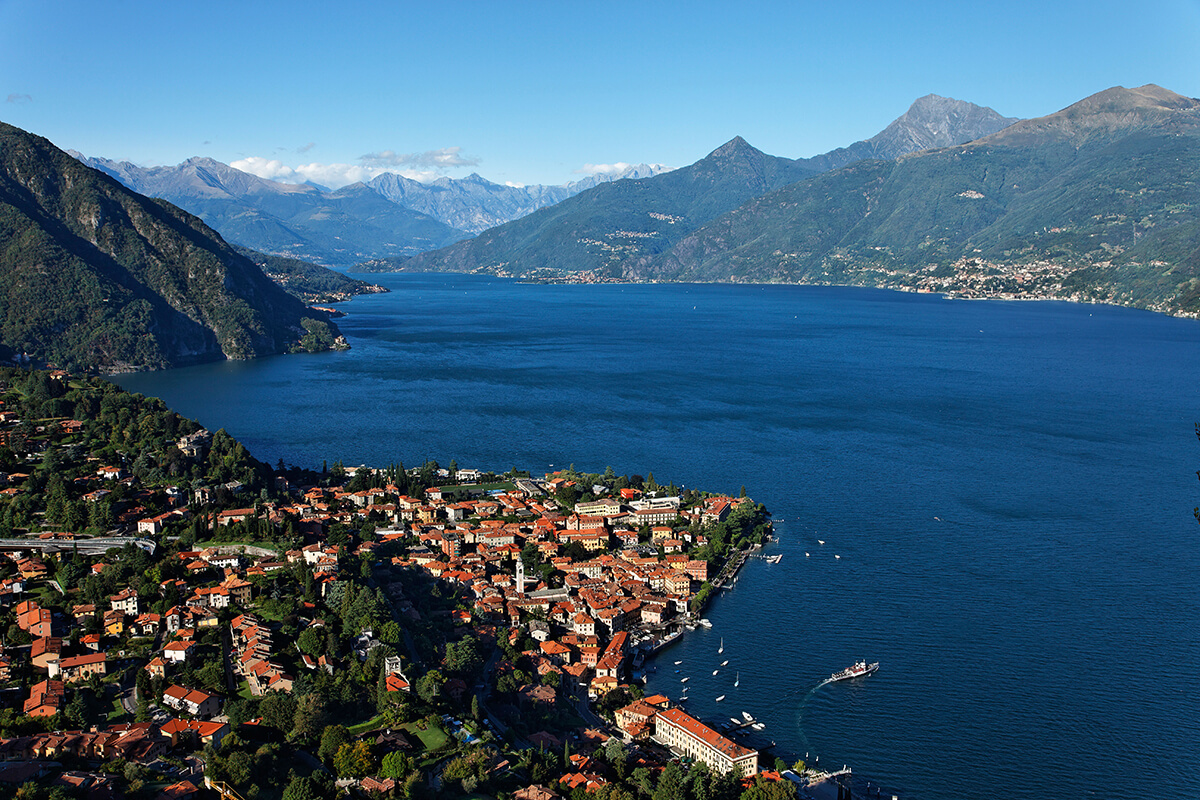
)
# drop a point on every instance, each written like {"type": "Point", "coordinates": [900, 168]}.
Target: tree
{"type": "Point", "coordinates": [310, 716]}
{"type": "Point", "coordinates": [353, 760]}
{"type": "Point", "coordinates": [670, 784]}
{"type": "Point", "coordinates": [462, 657]}
{"type": "Point", "coordinates": [302, 788]}
{"type": "Point", "coordinates": [278, 710]}
{"type": "Point", "coordinates": [764, 789]}
{"type": "Point", "coordinates": [616, 755]}
{"type": "Point", "coordinates": [332, 739]}
{"type": "Point", "coordinates": [429, 687]}
{"type": "Point", "coordinates": [397, 765]}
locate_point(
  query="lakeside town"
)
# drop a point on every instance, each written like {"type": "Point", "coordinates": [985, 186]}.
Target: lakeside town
{"type": "Point", "coordinates": [182, 621]}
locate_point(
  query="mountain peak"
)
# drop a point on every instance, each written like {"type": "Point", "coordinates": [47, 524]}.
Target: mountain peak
{"type": "Point", "coordinates": [934, 121]}
{"type": "Point", "coordinates": [735, 148]}
{"type": "Point", "coordinates": [1114, 111]}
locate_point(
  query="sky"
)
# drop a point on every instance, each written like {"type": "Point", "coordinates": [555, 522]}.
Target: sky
{"type": "Point", "coordinates": [547, 92]}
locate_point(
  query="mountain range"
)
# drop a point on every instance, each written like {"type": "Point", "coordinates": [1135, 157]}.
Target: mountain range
{"type": "Point", "coordinates": [389, 216]}
{"type": "Point", "coordinates": [603, 229]}
{"type": "Point", "coordinates": [1095, 202]}
{"type": "Point", "coordinates": [96, 276]}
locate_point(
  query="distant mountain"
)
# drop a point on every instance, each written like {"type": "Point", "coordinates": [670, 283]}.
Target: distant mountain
{"type": "Point", "coordinates": [608, 225]}
{"type": "Point", "coordinates": [299, 221]}
{"type": "Point", "coordinates": [1097, 202]}
{"type": "Point", "coordinates": [474, 204]}
{"type": "Point", "coordinates": [931, 121]}
{"type": "Point", "coordinates": [94, 275]}
{"type": "Point", "coordinates": [605, 229]}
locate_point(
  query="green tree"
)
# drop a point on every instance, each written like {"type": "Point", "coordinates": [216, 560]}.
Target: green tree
{"type": "Point", "coordinates": [396, 765]}
{"type": "Point", "coordinates": [332, 738]}
{"type": "Point", "coordinates": [670, 784]}
{"type": "Point", "coordinates": [309, 720]}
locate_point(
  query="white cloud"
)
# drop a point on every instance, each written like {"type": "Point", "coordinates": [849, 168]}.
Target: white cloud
{"type": "Point", "coordinates": [444, 158]}
{"type": "Point", "coordinates": [424, 167]}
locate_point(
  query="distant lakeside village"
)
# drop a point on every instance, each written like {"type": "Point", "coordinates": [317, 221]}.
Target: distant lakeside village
{"type": "Point", "coordinates": [181, 620]}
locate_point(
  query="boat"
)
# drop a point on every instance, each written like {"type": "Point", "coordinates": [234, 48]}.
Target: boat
{"type": "Point", "coordinates": [838, 557]}
{"type": "Point", "coordinates": [737, 680]}
{"type": "Point", "coordinates": [677, 663]}
{"type": "Point", "coordinates": [806, 555]}
{"type": "Point", "coordinates": [715, 671]}
{"type": "Point", "coordinates": [747, 717]}
{"type": "Point", "coordinates": [725, 663]}
{"type": "Point", "coordinates": [719, 699]}
{"type": "Point", "coordinates": [735, 720]}
{"type": "Point", "coordinates": [758, 726]}
{"type": "Point", "coordinates": [859, 670]}
{"type": "Point", "coordinates": [721, 649]}
{"type": "Point", "coordinates": [820, 541]}
{"type": "Point", "coordinates": [683, 680]}
{"type": "Point", "coordinates": [705, 623]}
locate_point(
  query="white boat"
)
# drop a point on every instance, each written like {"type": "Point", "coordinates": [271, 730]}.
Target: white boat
{"type": "Point", "coordinates": [683, 680]}
{"type": "Point", "coordinates": [860, 669]}
{"type": "Point", "coordinates": [725, 663]}
{"type": "Point", "coordinates": [747, 717]}
{"type": "Point", "coordinates": [820, 541]}
{"type": "Point", "coordinates": [721, 649]}
{"type": "Point", "coordinates": [735, 720]}
{"type": "Point", "coordinates": [737, 680]}
{"type": "Point", "coordinates": [806, 555]}
{"type": "Point", "coordinates": [705, 623]}
{"type": "Point", "coordinates": [838, 557]}
{"type": "Point", "coordinates": [715, 671]}
{"type": "Point", "coordinates": [719, 699]}
{"type": "Point", "coordinates": [677, 663]}
{"type": "Point", "coordinates": [758, 726]}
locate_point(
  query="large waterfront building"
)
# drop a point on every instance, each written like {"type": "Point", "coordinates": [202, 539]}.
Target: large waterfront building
{"type": "Point", "coordinates": [691, 737]}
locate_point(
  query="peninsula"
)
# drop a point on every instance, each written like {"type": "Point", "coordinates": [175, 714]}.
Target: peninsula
{"type": "Point", "coordinates": [179, 615]}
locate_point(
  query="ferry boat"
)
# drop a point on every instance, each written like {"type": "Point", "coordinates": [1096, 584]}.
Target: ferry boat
{"type": "Point", "coordinates": [859, 670]}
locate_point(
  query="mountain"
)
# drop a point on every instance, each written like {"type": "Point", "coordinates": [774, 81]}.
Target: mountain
{"type": "Point", "coordinates": [602, 228]}
{"type": "Point", "coordinates": [474, 204]}
{"type": "Point", "coordinates": [1096, 202]}
{"type": "Point", "coordinates": [299, 221]}
{"type": "Point", "coordinates": [605, 229]}
{"type": "Point", "coordinates": [931, 121]}
{"type": "Point", "coordinates": [94, 275]}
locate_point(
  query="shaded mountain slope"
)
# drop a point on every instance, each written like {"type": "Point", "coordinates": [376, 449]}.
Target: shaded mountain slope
{"type": "Point", "coordinates": [94, 275]}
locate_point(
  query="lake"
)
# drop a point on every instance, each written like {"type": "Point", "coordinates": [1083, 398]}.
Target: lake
{"type": "Point", "coordinates": [1009, 487]}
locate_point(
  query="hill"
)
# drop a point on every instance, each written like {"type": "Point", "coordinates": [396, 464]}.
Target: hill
{"type": "Point", "coordinates": [309, 282]}
{"type": "Point", "coordinates": [602, 231]}
{"type": "Point", "coordinates": [93, 275]}
{"type": "Point", "coordinates": [1096, 202]}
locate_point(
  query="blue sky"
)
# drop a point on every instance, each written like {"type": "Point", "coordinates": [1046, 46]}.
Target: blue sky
{"type": "Point", "coordinates": [534, 92]}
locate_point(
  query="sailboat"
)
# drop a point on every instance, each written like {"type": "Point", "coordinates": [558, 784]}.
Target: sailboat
{"type": "Point", "coordinates": [737, 680]}
{"type": "Point", "coordinates": [721, 649]}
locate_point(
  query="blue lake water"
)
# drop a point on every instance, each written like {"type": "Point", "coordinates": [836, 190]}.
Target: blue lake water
{"type": "Point", "coordinates": [1009, 485]}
